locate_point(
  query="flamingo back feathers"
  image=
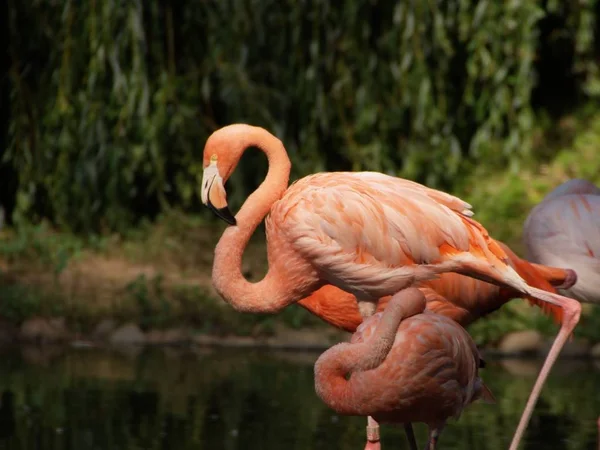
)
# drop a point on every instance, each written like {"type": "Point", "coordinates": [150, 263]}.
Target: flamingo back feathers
{"type": "Point", "coordinates": [372, 234]}
{"type": "Point", "coordinates": [430, 351]}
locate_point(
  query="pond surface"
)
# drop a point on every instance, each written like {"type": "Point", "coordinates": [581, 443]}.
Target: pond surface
{"type": "Point", "coordinates": [93, 399]}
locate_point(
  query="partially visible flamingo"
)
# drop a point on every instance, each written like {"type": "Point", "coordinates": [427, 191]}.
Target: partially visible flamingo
{"type": "Point", "coordinates": [462, 298]}
{"type": "Point", "coordinates": [564, 231]}
{"type": "Point", "coordinates": [367, 233]}
{"type": "Point", "coordinates": [405, 365]}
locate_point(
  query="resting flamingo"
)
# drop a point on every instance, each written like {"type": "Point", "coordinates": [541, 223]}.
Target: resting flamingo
{"type": "Point", "coordinates": [564, 230]}
{"type": "Point", "coordinates": [456, 296]}
{"type": "Point", "coordinates": [367, 233]}
{"type": "Point", "coordinates": [405, 365]}
{"type": "Point", "coordinates": [463, 299]}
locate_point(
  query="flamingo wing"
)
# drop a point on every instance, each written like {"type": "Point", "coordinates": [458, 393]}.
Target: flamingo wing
{"type": "Point", "coordinates": [369, 233]}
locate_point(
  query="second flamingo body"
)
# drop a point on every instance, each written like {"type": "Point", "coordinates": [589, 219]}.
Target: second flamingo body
{"type": "Point", "coordinates": [406, 365]}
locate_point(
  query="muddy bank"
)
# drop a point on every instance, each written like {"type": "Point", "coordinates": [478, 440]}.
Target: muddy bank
{"type": "Point", "coordinates": [43, 332]}
{"type": "Point", "coordinates": [157, 291]}
{"type": "Point", "coordinates": [108, 332]}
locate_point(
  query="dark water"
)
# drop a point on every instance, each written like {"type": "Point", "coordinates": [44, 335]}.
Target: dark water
{"type": "Point", "coordinates": [90, 399]}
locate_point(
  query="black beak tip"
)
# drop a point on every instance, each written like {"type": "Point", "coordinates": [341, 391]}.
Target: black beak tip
{"type": "Point", "coordinates": [223, 214]}
{"type": "Point", "coordinates": [226, 215]}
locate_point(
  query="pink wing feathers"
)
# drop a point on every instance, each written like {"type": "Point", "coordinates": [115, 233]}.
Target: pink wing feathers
{"type": "Point", "coordinates": [371, 233]}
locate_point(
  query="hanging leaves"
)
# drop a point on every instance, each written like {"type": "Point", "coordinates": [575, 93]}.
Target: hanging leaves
{"type": "Point", "coordinates": [112, 101]}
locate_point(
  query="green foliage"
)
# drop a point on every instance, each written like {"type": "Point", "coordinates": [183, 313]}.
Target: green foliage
{"type": "Point", "coordinates": [590, 324]}
{"type": "Point", "coordinates": [149, 314]}
{"type": "Point", "coordinates": [101, 125]}
{"type": "Point", "coordinates": [518, 315]}
{"type": "Point", "coordinates": [297, 317]}
{"type": "Point", "coordinates": [182, 244]}
{"type": "Point", "coordinates": [19, 302]}
{"type": "Point", "coordinates": [502, 199]}
{"type": "Point", "coordinates": [112, 102]}
{"type": "Point", "coordinates": [40, 244]}
{"type": "Point", "coordinates": [490, 331]}
{"type": "Point", "coordinates": [156, 305]}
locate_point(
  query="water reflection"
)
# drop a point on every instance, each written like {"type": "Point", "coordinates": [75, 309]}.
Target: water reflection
{"type": "Point", "coordinates": [92, 399]}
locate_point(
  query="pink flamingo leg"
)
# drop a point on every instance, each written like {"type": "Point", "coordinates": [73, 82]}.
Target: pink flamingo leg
{"type": "Point", "coordinates": [367, 309]}
{"type": "Point", "coordinates": [373, 442]}
{"type": "Point", "coordinates": [373, 445]}
{"type": "Point", "coordinates": [572, 310]}
{"type": "Point", "coordinates": [434, 435]}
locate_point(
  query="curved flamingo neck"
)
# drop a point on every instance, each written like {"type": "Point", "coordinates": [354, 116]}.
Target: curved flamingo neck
{"type": "Point", "coordinates": [331, 385]}
{"type": "Point", "coordinates": [267, 295]}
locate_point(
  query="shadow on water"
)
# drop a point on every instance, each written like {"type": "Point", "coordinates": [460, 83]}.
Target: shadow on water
{"type": "Point", "coordinates": [84, 399]}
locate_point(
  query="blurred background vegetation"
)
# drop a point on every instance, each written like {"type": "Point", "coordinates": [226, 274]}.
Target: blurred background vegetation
{"type": "Point", "coordinates": [106, 107]}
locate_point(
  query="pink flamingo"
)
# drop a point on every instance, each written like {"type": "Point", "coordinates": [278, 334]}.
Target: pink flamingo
{"type": "Point", "coordinates": [366, 233]}
{"type": "Point", "coordinates": [405, 365]}
{"type": "Point", "coordinates": [564, 230]}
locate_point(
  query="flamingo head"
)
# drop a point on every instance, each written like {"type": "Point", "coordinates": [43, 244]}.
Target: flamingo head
{"type": "Point", "coordinates": [213, 192]}
{"type": "Point", "coordinates": [222, 153]}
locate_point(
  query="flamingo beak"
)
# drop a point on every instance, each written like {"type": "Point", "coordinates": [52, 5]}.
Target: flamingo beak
{"type": "Point", "coordinates": [223, 213]}
{"type": "Point", "coordinates": [213, 194]}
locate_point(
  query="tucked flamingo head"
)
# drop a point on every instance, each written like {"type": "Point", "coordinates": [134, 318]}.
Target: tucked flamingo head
{"type": "Point", "coordinates": [222, 152]}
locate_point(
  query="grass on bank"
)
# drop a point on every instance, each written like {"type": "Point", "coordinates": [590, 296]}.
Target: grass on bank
{"type": "Point", "coordinates": [158, 277]}
{"type": "Point", "coordinates": [159, 274]}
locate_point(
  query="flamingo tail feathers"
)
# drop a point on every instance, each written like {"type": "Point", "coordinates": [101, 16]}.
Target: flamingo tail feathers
{"type": "Point", "coordinates": [559, 278]}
